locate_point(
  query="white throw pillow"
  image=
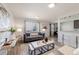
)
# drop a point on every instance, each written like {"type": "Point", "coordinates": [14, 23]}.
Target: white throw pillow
{"type": "Point", "coordinates": [34, 34]}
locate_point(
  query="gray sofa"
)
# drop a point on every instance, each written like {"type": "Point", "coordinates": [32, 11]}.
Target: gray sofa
{"type": "Point", "coordinates": [30, 37]}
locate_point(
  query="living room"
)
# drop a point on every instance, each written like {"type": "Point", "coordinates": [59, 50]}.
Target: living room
{"type": "Point", "coordinates": [39, 28]}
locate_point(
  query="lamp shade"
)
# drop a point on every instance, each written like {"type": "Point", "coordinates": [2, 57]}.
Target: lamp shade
{"type": "Point", "coordinates": [43, 29]}
{"type": "Point", "coordinates": [19, 29]}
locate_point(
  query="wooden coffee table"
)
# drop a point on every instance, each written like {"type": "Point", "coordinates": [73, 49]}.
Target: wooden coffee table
{"type": "Point", "coordinates": [40, 46]}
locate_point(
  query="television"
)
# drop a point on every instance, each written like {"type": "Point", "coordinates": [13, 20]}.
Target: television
{"type": "Point", "coordinates": [76, 24]}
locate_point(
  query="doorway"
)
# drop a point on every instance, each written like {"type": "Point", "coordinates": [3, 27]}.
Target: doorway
{"type": "Point", "coordinates": [54, 30]}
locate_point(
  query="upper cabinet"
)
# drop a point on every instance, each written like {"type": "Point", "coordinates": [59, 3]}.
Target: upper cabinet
{"type": "Point", "coordinates": [66, 23]}
{"type": "Point", "coordinates": [67, 26]}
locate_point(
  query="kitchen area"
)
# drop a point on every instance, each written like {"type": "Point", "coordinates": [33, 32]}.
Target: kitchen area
{"type": "Point", "coordinates": [68, 30]}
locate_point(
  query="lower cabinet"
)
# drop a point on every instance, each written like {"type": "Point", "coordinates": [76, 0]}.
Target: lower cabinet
{"type": "Point", "coordinates": [78, 41]}
{"type": "Point", "coordinates": [68, 39]}
{"type": "Point", "coordinates": [60, 38]}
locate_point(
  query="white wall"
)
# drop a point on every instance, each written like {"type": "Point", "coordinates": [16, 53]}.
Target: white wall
{"type": "Point", "coordinates": [19, 24]}
{"type": "Point", "coordinates": [42, 24]}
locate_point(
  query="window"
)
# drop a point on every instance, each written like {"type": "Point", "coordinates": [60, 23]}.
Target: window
{"type": "Point", "coordinates": [32, 26]}
{"type": "Point", "coordinates": [5, 24]}
{"type": "Point", "coordinates": [4, 19]}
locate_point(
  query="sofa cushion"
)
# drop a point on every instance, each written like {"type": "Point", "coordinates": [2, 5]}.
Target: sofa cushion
{"type": "Point", "coordinates": [33, 34]}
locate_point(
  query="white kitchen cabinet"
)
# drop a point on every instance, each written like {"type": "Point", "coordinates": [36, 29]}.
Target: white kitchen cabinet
{"type": "Point", "coordinates": [78, 41]}
{"type": "Point", "coordinates": [70, 40]}
{"type": "Point", "coordinates": [60, 37]}
{"type": "Point", "coordinates": [66, 28]}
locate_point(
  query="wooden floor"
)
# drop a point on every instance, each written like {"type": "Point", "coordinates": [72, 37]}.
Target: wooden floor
{"type": "Point", "coordinates": [19, 49]}
{"type": "Point", "coordinates": [22, 49]}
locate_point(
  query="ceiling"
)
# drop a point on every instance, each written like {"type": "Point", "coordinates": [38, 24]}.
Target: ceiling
{"type": "Point", "coordinates": [24, 10]}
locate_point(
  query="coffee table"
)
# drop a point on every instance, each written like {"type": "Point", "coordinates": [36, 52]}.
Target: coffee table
{"type": "Point", "coordinates": [40, 46]}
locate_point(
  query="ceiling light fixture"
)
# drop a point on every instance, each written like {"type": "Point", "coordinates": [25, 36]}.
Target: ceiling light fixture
{"type": "Point", "coordinates": [51, 5]}
{"type": "Point", "coordinates": [36, 17]}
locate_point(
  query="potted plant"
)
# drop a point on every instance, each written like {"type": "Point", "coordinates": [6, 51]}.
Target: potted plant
{"type": "Point", "coordinates": [12, 30]}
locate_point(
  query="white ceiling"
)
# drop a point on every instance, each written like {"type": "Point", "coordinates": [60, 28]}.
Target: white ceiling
{"type": "Point", "coordinates": [23, 10]}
